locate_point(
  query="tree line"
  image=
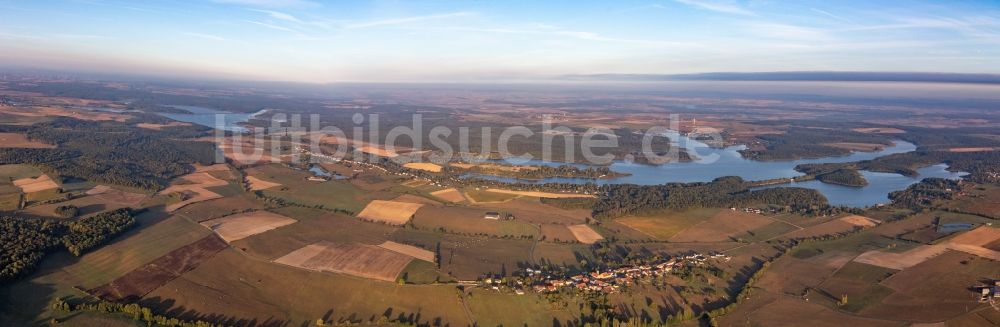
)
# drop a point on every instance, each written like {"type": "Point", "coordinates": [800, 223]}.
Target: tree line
{"type": "Point", "coordinates": [112, 153]}
{"type": "Point", "coordinates": [25, 241]}
{"type": "Point", "coordinates": [730, 191]}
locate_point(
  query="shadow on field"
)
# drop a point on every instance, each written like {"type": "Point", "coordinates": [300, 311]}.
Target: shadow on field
{"type": "Point", "coordinates": [166, 308]}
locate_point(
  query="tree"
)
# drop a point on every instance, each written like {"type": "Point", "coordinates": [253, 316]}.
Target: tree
{"type": "Point", "coordinates": [67, 211]}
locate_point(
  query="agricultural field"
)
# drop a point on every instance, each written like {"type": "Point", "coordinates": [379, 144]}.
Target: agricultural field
{"type": "Point", "coordinates": [390, 212]}
{"type": "Point", "coordinates": [481, 196]}
{"type": "Point", "coordinates": [240, 226]}
{"type": "Point", "coordinates": [15, 140]}
{"type": "Point", "coordinates": [723, 226]}
{"type": "Point", "coordinates": [295, 188]}
{"type": "Point", "coordinates": [139, 282]}
{"type": "Point", "coordinates": [425, 166]}
{"type": "Point", "coordinates": [349, 258]}
{"type": "Point", "coordinates": [665, 225]}
{"type": "Point", "coordinates": [192, 188]}
{"type": "Point", "coordinates": [470, 221]}
{"type": "Point", "coordinates": [532, 210]}
{"type": "Point", "coordinates": [314, 226]}
{"type": "Point", "coordinates": [228, 285]}
{"type": "Point", "coordinates": [449, 194]}
{"type": "Point", "coordinates": [91, 204]}
{"type": "Point", "coordinates": [585, 234]}
{"type": "Point", "coordinates": [982, 199]}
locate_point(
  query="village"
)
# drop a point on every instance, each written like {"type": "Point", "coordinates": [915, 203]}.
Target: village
{"type": "Point", "coordinates": [597, 281]}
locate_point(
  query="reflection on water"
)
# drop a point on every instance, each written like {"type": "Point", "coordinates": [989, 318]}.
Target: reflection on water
{"type": "Point", "coordinates": [712, 163]}
{"type": "Point", "coordinates": [212, 118]}
{"type": "Point", "coordinates": [878, 189]}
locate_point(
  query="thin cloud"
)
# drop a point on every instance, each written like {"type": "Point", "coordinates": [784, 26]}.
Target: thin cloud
{"type": "Point", "coordinates": [728, 8]}
{"type": "Point", "coordinates": [831, 15]}
{"type": "Point", "coordinates": [407, 20]}
{"type": "Point", "coordinates": [279, 15]}
{"type": "Point", "coordinates": [271, 3]}
{"type": "Point", "coordinates": [271, 26]}
{"type": "Point", "coordinates": [205, 36]}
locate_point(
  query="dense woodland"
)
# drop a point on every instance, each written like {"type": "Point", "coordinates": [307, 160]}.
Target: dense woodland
{"type": "Point", "coordinates": [24, 241]}
{"type": "Point", "coordinates": [623, 199]}
{"type": "Point", "coordinates": [846, 177]}
{"type": "Point", "coordinates": [923, 194]}
{"type": "Point", "coordinates": [801, 142]}
{"type": "Point", "coordinates": [110, 153]}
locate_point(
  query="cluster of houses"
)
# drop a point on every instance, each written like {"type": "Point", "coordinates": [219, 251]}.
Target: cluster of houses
{"type": "Point", "coordinates": [753, 210]}
{"type": "Point", "coordinates": [988, 290]}
{"type": "Point", "coordinates": [608, 281]}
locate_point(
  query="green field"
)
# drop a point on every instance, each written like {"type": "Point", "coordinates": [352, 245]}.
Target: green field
{"type": "Point", "coordinates": [767, 232]}
{"type": "Point", "coordinates": [13, 172]}
{"type": "Point", "coordinates": [256, 289]}
{"type": "Point", "coordinates": [484, 196]}
{"type": "Point", "coordinates": [296, 189]}
{"type": "Point", "coordinates": [135, 248]}
{"type": "Point", "coordinates": [492, 308]}
{"type": "Point", "coordinates": [666, 224]}
{"type": "Point", "coordinates": [423, 272]}
{"type": "Point", "coordinates": [857, 243]}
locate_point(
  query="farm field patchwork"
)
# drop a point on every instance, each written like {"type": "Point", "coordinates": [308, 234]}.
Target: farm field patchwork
{"type": "Point", "coordinates": [722, 226]}
{"type": "Point", "coordinates": [239, 226]}
{"type": "Point", "coordinates": [355, 259]}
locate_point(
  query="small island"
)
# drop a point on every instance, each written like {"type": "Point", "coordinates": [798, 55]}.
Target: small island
{"type": "Point", "coordinates": [845, 177]}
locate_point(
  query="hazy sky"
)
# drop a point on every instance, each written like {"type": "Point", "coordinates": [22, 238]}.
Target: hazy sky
{"type": "Point", "coordinates": [321, 41]}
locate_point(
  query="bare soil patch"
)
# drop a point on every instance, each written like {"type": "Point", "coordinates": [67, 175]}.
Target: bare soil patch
{"type": "Point", "coordinates": [410, 198]}
{"type": "Point", "coordinates": [257, 184]}
{"type": "Point", "coordinates": [860, 221]}
{"type": "Point", "coordinates": [900, 261]}
{"type": "Point", "coordinates": [585, 234]}
{"type": "Point", "coordinates": [193, 188]}
{"type": "Point", "coordinates": [409, 250]}
{"type": "Point", "coordinates": [977, 237]}
{"type": "Point", "coordinates": [392, 212]}
{"type": "Point", "coordinates": [361, 260]}
{"type": "Point", "coordinates": [243, 225]}
{"type": "Point", "coordinates": [37, 184]}
{"type": "Point", "coordinates": [139, 282]}
{"type": "Point", "coordinates": [15, 140]}
{"type": "Point", "coordinates": [981, 149]}
{"type": "Point", "coordinates": [425, 166]}
{"type": "Point", "coordinates": [449, 194]}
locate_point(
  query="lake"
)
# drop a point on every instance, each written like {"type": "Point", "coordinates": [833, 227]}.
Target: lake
{"type": "Point", "coordinates": [712, 163]}
{"type": "Point", "coordinates": [213, 118]}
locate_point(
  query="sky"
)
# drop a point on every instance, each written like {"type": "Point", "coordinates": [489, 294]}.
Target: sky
{"type": "Point", "coordinates": [413, 41]}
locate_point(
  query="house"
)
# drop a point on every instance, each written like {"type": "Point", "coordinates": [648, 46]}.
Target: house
{"type": "Point", "coordinates": [492, 215]}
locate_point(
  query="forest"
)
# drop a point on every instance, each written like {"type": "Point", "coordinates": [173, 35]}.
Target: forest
{"type": "Point", "coordinates": [801, 142]}
{"type": "Point", "coordinates": [923, 194]}
{"type": "Point", "coordinates": [844, 176]}
{"type": "Point", "coordinates": [25, 241]}
{"type": "Point", "coordinates": [623, 199]}
{"type": "Point", "coordinates": [110, 153]}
